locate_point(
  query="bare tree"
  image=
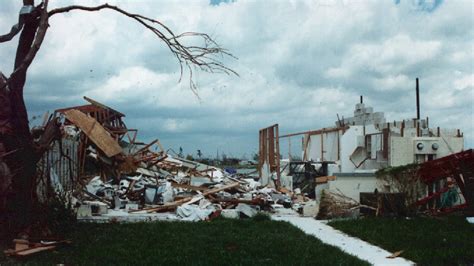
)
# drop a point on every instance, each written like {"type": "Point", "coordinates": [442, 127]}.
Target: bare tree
{"type": "Point", "coordinates": [19, 153]}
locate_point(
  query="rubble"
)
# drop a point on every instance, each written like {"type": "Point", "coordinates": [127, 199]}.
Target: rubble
{"type": "Point", "coordinates": [111, 176]}
{"type": "Point", "coordinates": [102, 167]}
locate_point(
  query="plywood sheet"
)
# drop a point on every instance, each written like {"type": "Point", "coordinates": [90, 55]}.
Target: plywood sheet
{"type": "Point", "coordinates": [96, 133]}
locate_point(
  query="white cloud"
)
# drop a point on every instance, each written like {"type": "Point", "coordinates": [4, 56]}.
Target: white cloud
{"type": "Point", "coordinates": [300, 63]}
{"type": "Point", "coordinates": [389, 82]}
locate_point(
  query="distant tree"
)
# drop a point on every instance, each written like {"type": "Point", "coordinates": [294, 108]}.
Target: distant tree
{"type": "Point", "coordinates": [256, 157]}
{"type": "Point", "coordinates": [199, 154]}
{"type": "Point", "coordinates": [180, 154]}
{"type": "Point", "coordinates": [189, 157]}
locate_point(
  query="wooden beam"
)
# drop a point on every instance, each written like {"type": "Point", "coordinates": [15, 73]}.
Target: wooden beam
{"type": "Point", "coordinates": [324, 179]}
{"type": "Point", "coordinates": [315, 132]}
{"type": "Point", "coordinates": [96, 103]}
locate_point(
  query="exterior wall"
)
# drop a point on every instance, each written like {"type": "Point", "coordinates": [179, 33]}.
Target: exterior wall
{"type": "Point", "coordinates": [352, 184]}
{"type": "Point", "coordinates": [329, 151]}
{"type": "Point", "coordinates": [352, 139]}
{"type": "Point", "coordinates": [403, 149]}
{"type": "Point", "coordinates": [363, 116]}
{"type": "Point", "coordinates": [348, 145]}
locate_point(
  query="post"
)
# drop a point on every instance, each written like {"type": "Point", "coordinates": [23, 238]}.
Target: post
{"type": "Point", "coordinates": [418, 133]}
{"type": "Point", "coordinates": [289, 149]}
{"type": "Point", "coordinates": [277, 144]}
{"type": "Point", "coordinates": [417, 100]}
{"type": "Point", "coordinates": [402, 128]}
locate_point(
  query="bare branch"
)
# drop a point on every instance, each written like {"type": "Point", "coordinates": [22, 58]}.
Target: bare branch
{"type": "Point", "coordinates": [205, 58]}
{"type": "Point", "coordinates": [14, 31]}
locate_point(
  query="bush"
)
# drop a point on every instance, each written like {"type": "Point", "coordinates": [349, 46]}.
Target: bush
{"type": "Point", "coordinates": [261, 216]}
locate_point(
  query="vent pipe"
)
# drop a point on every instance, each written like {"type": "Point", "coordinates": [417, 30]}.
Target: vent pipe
{"type": "Point", "coordinates": [417, 100]}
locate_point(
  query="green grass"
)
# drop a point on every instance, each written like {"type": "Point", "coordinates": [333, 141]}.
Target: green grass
{"type": "Point", "coordinates": [426, 241]}
{"type": "Point", "coordinates": [257, 241]}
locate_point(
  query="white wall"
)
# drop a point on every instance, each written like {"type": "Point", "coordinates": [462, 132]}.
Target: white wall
{"type": "Point", "coordinates": [330, 147]}
{"type": "Point", "coordinates": [352, 186]}
{"type": "Point", "coordinates": [403, 149]}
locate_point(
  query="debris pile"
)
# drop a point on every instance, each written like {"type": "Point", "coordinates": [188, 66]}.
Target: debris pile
{"type": "Point", "coordinates": [98, 162]}
{"type": "Point", "coordinates": [336, 205]}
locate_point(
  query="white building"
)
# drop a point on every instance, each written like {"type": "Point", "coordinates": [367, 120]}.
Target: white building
{"type": "Point", "coordinates": [364, 143]}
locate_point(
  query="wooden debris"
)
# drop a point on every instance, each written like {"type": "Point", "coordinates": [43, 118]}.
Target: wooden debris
{"type": "Point", "coordinates": [94, 131]}
{"type": "Point", "coordinates": [324, 179]}
{"type": "Point", "coordinates": [395, 254]}
{"type": "Point", "coordinates": [21, 244]}
{"type": "Point", "coordinates": [334, 204]}
{"type": "Point", "coordinates": [25, 248]}
{"type": "Point", "coordinates": [31, 251]}
{"type": "Point", "coordinates": [184, 200]}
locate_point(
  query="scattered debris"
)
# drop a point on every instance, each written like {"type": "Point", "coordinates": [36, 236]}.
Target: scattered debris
{"type": "Point", "coordinates": [100, 165]}
{"type": "Point", "coordinates": [25, 248]}
{"type": "Point", "coordinates": [395, 254]}
{"type": "Point", "coordinates": [334, 204]}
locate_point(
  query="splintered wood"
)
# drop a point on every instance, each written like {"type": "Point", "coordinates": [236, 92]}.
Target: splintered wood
{"type": "Point", "coordinates": [25, 248]}
{"type": "Point", "coordinates": [94, 131]}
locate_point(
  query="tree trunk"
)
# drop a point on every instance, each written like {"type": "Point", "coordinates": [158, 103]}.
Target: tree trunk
{"type": "Point", "coordinates": [16, 142]}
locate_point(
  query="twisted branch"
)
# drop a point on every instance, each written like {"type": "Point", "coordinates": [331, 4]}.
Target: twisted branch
{"type": "Point", "coordinates": [206, 58]}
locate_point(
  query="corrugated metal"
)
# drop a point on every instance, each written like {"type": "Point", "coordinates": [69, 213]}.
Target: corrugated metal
{"type": "Point", "coordinates": [65, 166]}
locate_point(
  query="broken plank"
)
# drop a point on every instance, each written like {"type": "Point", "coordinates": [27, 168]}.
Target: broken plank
{"type": "Point", "coordinates": [21, 244]}
{"type": "Point", "coordinates": [395, 254]}
{"type": "Point", "coordinates": [325, 179]}
{"type": "Point", "coordinates": [30, 251]}
{"type": "Point", "coordinates": [101, 105]}
{"type": "Point", "coordinates": [95, 132]}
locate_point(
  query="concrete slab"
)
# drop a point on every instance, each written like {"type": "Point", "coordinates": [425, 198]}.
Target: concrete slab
{"type": "Point", "coordinates": [354, 246]}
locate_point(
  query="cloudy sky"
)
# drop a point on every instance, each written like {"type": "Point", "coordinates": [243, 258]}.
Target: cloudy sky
{"type": "Point", "coordinates": [300, 63]}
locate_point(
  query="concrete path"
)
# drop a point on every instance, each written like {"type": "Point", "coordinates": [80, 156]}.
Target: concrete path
{"type": "Point", "coordinates": [354, 246]}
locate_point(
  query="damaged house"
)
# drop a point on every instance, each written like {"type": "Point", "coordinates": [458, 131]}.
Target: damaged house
{"type": "Point", "coordinates": [97, 164]}
{"type": "Point", "coordinates": [360, 145]}
{"type": "Point", "coordinates": [345, 158]}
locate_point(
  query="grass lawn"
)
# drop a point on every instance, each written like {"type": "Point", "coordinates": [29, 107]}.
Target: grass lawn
{"type": "Point", "coordinates": [426, 241]}
{"type": "Point", "coordinates": [221, 241]}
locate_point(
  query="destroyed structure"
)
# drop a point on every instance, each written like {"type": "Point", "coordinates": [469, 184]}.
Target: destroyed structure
{"type": "Point", "coordinates": [98, 165]}
{"type": "Point", "coordinates": [359, 146]}
{"type": "Point", "coordinates": [343, 160]}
